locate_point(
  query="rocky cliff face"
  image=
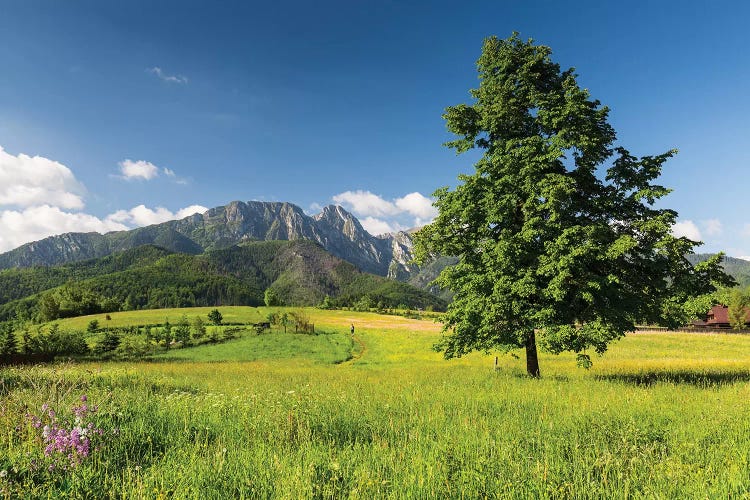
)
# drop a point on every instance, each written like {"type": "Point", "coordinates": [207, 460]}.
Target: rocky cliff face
{"type": "Point", "coordinates": [334, 229]}
{"type": "Point", "coordinates": [402, 246]}
{"type": "Point", "coordinates": [343, 235]}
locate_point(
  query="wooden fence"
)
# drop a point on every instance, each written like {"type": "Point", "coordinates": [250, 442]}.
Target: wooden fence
{"type": "Point", "coordinates": [692, 329]}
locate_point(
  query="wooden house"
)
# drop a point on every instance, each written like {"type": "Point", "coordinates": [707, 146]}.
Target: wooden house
{"type": "Point", "coordinates": [718, 317]}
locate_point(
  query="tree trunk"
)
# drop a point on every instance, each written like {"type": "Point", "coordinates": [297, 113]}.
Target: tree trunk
{"type": "Point", "coordinates": [532, 361]}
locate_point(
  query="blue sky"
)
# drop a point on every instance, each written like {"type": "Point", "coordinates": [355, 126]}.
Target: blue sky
{"type": "Point", "coordinates": [117, 114]}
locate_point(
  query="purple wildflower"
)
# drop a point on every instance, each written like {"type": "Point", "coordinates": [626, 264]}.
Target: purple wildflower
{"type": "Point", "coordinates": [67, 441]}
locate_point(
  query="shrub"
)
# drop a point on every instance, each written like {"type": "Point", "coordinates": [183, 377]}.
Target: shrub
{"type": "Point", "coordinates": [215, 317]}
{"type": "Point", "coordinates": [93, 326]}
{"type": "Point", "coordinates": [199, 329]}
{"type": "Point", "coordinates": [109, 343]}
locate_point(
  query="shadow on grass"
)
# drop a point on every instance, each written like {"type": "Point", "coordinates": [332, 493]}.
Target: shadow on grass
{"type": "Point", "coordinates": [525, 376]}
{"type": "Point", "coordinates": [682, 377]}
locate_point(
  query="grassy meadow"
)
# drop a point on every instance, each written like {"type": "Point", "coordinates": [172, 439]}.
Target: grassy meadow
{"type": "Point", "coordinates": [661, 415]}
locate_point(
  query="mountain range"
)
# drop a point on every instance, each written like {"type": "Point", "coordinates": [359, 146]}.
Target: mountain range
{"type": "Point", "coordinates": [229, 255]}
{"type": "Point", "coordinates": [335, 229]}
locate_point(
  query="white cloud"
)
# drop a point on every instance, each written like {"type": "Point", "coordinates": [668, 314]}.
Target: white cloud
{"type": "Point", "coordinates": [314, 208]}
{"type": "Point", "coordinates": [172, 175]}
{"type": "Point", "coordinates": [713, 227]}
{"type": "Point", "coordinates": [377, 226]}
{"type": "Point", "coordinates": [379, 215]}
{"type": "Point", "coordinates": [34, 180]}
{"type": "Point", "coordinates": [191, 210]}
{"type": "Point", "coordinates": [687, 228]}
{"type": "Point", "coordinates": [366, 203]}
{"type": "Point", "coordinates": [417, 205]}
{"type": "Point", "coordinates": [144, 216]}
{"type": "Point", "coordinates": [41, 197]}
{"type": "Point", "coordinates": [156, 70]}
{"type": "Point", "coordinates": [138, 169]}
{"type": "Point", "coordinates": [35, 223]}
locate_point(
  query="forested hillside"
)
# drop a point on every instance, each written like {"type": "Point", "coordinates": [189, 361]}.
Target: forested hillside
{"type": "Point", "coordinates": [148, 277]}
{"type": "Point", "coordinates": [739, 269]}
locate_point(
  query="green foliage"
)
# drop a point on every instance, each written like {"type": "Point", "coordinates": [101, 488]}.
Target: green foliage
{"type": "Point", "coordinates": [109, 343]}
{"type": "Point", "coordinates": [167, 334]}
{"type": "Point", "coordinates": [8, 340]}
{"type": "Point", "coordinates": [19, 283]}
{"type": "Point", "coordinates": [133, 347]}
{"type": "Point", "coordinates": [297, 272]}
{"type": "Point", "coordinates": [93, 326]}
{"type": "Point", "coordinates": [271, 298]}
{"type": "Point", "coordinates": [284, 320]}
{"type": "Point", "coordinates": [738, 308]}
{"type": "Point", "coordinates": [549, 245]}
{"type": "Point", "coordinates": [327, 303]}
{"type": "Point", "coordinates": [68, 301]}
{"type": "Point", "coordinates": [231, 332]}
{"type": "Point", "coordinates": [182, 330]}
{"type": "Point", "coordinates": [273, 317]}
{"type": "Point", "coordinates": [54, 342]}
{"type": "Point", "coordinates": [365, 303]}
{"type": "Point", "coordinates": [739, 269]}
{"type": "Point", "coordinates": [199, 328]}
{"type": "Point", "coordinates": [215, 317]}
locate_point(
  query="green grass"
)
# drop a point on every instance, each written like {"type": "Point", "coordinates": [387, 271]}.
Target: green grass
{"type": "Point", "coordinates": [659, 416]}
{"type": "Point", "coordinates": [231, 314]}
{"type": "Point", "coordinates": [322, 348]}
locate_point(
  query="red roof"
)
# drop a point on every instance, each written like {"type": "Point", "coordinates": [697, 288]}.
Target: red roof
{"type": "Point", "coordinates": [719, 315]}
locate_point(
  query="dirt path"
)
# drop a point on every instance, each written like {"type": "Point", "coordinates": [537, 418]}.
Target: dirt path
{"type": "Point", "coordinates": [362, 350]}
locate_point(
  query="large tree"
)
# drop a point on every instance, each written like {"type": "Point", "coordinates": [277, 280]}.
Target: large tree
{"type": "Point", "coordinates": [558, 238]}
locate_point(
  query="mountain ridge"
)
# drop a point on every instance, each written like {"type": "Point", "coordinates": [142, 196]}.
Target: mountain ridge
{"type": "Point", "coordinates": [334, 228]}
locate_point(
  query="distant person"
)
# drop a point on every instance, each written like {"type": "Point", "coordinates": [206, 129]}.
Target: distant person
{"type": "Point", "coordinates": [352, 330]}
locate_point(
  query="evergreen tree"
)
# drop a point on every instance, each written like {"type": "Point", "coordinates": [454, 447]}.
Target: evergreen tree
{"type": "Point", "coordinates": [199, 329]}
{"type": "Point", "coordinates": [215, 317]}
{"type": "Point", "coordinates": [28, 342]}
{"type": "Point", "coordinates": [109, 343]}
{"type": "Point", "coordinates": [182, 331]}
{"type": "Point", "coordinates": [8, 340]}
{"type": "Point", "coordinates": [93, 326]}
{"type": "Point", "coordinates": [167, 334]}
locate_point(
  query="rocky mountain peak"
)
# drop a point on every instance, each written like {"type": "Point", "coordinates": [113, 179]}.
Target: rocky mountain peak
{"type": "Point", "coordinates": [335, 229]}
{"type": "Point", "coordinates": [339, 219]}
